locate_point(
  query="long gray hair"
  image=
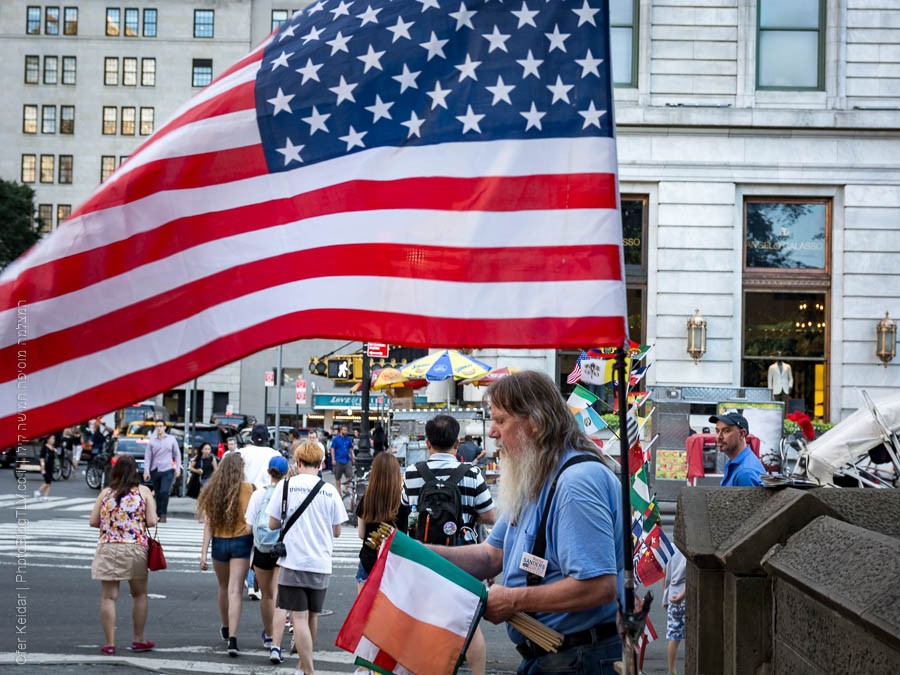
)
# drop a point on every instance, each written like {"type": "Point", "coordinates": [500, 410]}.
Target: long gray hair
{"type": "Point", "coordinates": [534, 396]}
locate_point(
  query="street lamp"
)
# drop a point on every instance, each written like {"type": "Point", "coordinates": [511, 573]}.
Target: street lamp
{"type": "Point", "coordinates": [696, 336]}
{"type": "Point", "coordinates": [886, 339]}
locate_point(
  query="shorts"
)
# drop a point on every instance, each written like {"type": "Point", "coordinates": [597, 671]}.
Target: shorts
{"type": "Point", "coordinates": [76, 455]}
{"type": "Point", "coordinates": [675, 621]}
{"type": "Point", "coordinates": [264, 561]}
{"type": "Point", "coordinates": [343, 470]}
{"type": "Point", "coordinates": [224, 549]}
{"type": "Point", "coordinates": [119, 561]}
{"type": "Point", "coordinates": [300, 599]}
{"type": "Point", "coordinates": [48, 477]}
{"type": "Point", "coordinates": [361, 574]}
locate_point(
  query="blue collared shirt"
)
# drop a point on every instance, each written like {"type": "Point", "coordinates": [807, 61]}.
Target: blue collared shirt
{"type": "Point", "coordinates": [743, 470]}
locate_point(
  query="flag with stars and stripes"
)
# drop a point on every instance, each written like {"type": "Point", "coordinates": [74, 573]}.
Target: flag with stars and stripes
{"type": "Point", "coordinates": [423, 172]}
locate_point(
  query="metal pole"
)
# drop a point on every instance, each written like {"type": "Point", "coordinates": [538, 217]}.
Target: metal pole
{"type": "Point", "coordinates": [277, 442]}
{"type": "Point", "coordinates": [364, 456]}
{"type": "Point", "coordinates": [186, 445]}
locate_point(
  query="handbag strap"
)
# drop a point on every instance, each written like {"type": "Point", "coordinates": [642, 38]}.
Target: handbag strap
{"type": "Point", "coordinates": [296, 514]}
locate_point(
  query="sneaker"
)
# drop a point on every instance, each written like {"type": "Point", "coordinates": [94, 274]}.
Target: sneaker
{"type": "Point", "coordinates": [266, 639]}
{"type": "Point", "coordinates": [275, 655]}
{"type": "Point", "coordinates": [37, 493]}
{"type": "Point", "coordinates": [224, 632]}
{"type": "Point", "coordinates": [254, 595]}
{"type": "Point", "coordinates": [232, 647]}
{"type": "Point", "coordinates": [145, 646]}
{"type": "Point", "coordinates": [109, 650]}
{"type": "Point", "coordinates": [293, 646]}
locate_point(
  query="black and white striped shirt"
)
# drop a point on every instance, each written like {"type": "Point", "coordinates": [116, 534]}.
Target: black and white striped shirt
{"type": "Point", "coordinates": [474, 492]}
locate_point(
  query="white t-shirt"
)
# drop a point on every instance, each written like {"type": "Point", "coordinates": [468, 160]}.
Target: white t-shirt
{"type": "Point", "coordinates": [255, 502]}
{"type": "Point", "coordinates": [310, 541]}
{"type": "Point", "coordinates": [256, 464]}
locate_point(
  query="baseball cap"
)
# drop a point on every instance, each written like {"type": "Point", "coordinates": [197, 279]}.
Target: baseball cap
{"type": "Point", "coordinates": [732, 418]}
{"type": "Point", "coordinates": [279, 463]}
{"type": "Point", "coordinates": [259, 433]}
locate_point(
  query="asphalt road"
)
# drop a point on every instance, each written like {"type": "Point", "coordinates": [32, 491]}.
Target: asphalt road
{"type": "Point", "coordinates": [51, 603]}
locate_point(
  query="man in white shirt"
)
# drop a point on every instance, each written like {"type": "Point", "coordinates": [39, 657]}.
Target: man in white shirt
{"type": "Point", "coordinates": [256, 457]}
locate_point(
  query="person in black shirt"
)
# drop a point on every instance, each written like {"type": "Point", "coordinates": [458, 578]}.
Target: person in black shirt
{"type": "Point", "coordinates": [48, 459]}
{"type": "Point", "coordinates": [379, 439]}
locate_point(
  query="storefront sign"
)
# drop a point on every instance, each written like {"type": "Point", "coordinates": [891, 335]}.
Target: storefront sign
{"type": "Point", "coordinates": [354, 401]}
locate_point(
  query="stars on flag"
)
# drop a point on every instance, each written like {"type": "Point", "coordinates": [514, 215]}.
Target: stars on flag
{"type": "Point", "coordinates": [428, 71]}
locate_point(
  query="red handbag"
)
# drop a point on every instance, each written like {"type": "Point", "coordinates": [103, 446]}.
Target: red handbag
{"type": "Point", "coordinates": [156, 559]}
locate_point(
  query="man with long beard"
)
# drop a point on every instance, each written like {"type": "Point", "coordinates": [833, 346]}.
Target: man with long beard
{"type": "Point", "coordinates": [574, 583]}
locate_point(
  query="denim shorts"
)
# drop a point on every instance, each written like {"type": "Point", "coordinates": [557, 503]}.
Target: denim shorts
{"type": "Point", "coordinates": [224, 549]}
{"type": "Point", "coordinates": [361, 574]}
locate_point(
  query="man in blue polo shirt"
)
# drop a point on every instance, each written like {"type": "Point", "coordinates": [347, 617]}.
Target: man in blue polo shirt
{"type": "Point", "coordinates": [342, 458]}
{"type": "Point", "coordinates": [743, 468]}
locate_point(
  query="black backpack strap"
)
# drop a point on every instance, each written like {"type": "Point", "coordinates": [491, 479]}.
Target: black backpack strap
{"type": "Point", "coordinates": [457, 474]}
{"type": "Point", "coordinates": [425, 471]}
{"type": "Point", "coordinates": [540, 539]}
{"type": "Point", "coordinates": [296, 514]}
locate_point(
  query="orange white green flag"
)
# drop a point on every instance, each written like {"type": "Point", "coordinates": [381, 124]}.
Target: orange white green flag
{"type": "Point", "coordinates": [415, 614]}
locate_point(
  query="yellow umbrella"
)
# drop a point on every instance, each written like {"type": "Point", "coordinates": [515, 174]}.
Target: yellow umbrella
{"type": "Point", "coordinates": [389, 378]}
{"type": "Point", "coordinates": [491, 376]}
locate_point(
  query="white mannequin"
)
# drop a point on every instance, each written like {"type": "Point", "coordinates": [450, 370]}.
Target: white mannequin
{"type": "Point", "coordinates": [781, 378]}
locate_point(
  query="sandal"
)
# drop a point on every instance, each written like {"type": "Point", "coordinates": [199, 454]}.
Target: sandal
{"type": "Point", "coordinates": [142, 646]}
{"type": "Point", "coordinates": [109, 650]}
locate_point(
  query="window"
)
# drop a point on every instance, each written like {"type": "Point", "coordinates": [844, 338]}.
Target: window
{"type": "Point", "coordinates": [131, 22]}
{"type": "Point", "coordinates": [33, 21]}
{"type": "Point", "coordinates": [107, 166]}
{"type": "Point", "coordinates": [67, 119]}
{"type": "Point", "coordinates": [68, 69]}
{"type": "Point", "coordinates": [63, 211]}
{"type": "Point", "coordinates": [786, 297]}
{"type": "Point", "coordinates": [787, 235]}
{"type": "Point", "coordinates": [110, 116]}
{"type": "Point", "coordinates": [128, 119]}
{"type": "Point", "coordinates": [32, 69]}
{"type": "Point", "coordinates": [111, 70]}
{"type": "Point", "coordinates": [51, 68]}
{"type": "Point", "coordinates": [122, 159]}
{"type": "Point", "coordinates": [148, 72]}
{"type": "Point", "coordinates": [129, 71]}
{"type": "Point", "coordinates": [70, 21]}
{"type": "Point", "coordinates": [790, 45]}
{"type": "Point", "coordinates": [634, 239]}
{"type": "Point", "coordinates": [113, 18]}
{"type": "Point", "coordinates": [29, 168]}
{"type": "Point", "coordinates": [45, 217]}
{"type": "Point", "coordinates": [203, 23]}
{"type": "Point", "coordinates": [147, 115]}
{"type": "Point", "coordinates": [202, 72]}
{"type": "Point", "coordinates": [51, 21]}
{"type": "Point", "coordinates": [29, 119]}
{"type": "Point", "coordinates": [48, 119]}
{"type": "Point", "coordinates": [623, 30]}
{"type": "Point", "coordinates": [149, 23]}
{"type": "Point", "coordinates": [279, 16]}
{"type": "Point", "coordinates": [48, 168]}
{"type": "Point", "coordinates": [65, 169]}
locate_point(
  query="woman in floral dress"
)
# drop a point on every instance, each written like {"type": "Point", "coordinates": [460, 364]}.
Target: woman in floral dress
{"type": "Point", "coordinates": [123, 512]}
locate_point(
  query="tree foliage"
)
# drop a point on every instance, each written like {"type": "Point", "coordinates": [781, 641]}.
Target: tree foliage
{"type": "Point", "coordinates": [18, 231]}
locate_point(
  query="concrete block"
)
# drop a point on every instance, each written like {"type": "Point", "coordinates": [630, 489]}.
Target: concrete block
{"type": "Point", "coordinates": [857, 53]}
{"type": "Point", "coordinates": [698, 215]}
{"type": "Point", "coordinates": [746, 624]}
{"type": "Point", "coordinates": [689, 260]}
{"type": "Point", "coordinates": [876, 510]}
{"type": "Point", "coordinates": [703, 641]}
{"type": "Point", "coordinates": [693, 67]}
{"type": "Point", "coordinates": [697, 238]}
{"type": "Point", "coordinates": [869, 240]}
{"type": "Point", "coordinates": [680, 192]}
{"type": "Point", "coordinates": [872, 263]}
{"type": "Point", "coordinates": [869, 195]}
{"type": "Point", "coordinates": [870, 218]}
{"type": "Point", "coordinates": [717, 51]}
{"type": "Point", "coordinates": [673, 49]}
{"type": "Point", "coordinates": [863, 18]}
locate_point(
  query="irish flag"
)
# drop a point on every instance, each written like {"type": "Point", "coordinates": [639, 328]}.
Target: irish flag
{"type": "Point", "coordinates": [415, 614]}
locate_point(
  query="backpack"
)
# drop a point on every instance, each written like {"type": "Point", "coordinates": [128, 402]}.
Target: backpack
{"type": "Point", "coordinates": [439, 507]}
{"type": "Point", "coordinates": [263, 536]}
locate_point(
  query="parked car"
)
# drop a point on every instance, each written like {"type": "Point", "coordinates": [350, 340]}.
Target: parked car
{"type": "Point", "coordinates": [284, 438]}
{"type": "Point", "coordinates": [146, 410]}
{"type": "Point", "coordinates": [137, 447]}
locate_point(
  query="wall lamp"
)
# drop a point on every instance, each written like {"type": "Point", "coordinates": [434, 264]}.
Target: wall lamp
{"type": "Point", "coordinates": [886, 339]}
{"type": "Point", "coordinates": [696, 336]}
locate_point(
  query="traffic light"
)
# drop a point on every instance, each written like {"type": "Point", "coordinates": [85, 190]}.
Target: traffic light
{"type": "Point", "coordinates": [347, 368]}
{"type": "Point", "coordinates": [318, 366]}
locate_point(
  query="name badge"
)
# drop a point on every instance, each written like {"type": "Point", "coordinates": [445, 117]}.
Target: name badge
{"type": "Point", "coordinates": [531, 564]}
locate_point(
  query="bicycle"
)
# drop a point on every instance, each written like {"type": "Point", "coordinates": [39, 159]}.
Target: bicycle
{"type": "Point", "coordinates": [62, 469]}
{"type": "Point", "coordinates": [356, 488]}
{"type": "Point", "coordinates": [97, 474]}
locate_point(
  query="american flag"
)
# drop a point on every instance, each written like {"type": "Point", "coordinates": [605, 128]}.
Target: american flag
{"type": "Point", "coordinates": [575, 375]}
{"type": "Point", "coordinates": [419, 172]}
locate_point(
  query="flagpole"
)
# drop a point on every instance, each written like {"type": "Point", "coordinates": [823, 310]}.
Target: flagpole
{"type": "Point", "coordinates": [627, 545]}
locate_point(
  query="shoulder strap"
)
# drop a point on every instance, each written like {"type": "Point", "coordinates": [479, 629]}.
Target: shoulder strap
{"type": "Point", "coordinates": [458, 473]}
{"type": "Point", "coordinates": [540, 539]}
{"type": "Point", "coordinates": [296, 514]}
{"type": "Point", "coordinates": [425, 471]}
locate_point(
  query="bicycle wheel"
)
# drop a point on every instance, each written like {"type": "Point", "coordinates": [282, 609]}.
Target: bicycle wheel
{"type": "Point", "coordinates": [57, 470]}
{"type": "Point", "coordinates": [66, 469]}
{"type": "Point", "coordinates": [94, 475]}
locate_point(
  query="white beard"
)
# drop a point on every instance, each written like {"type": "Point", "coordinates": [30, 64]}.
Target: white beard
{"type": "Point", "coordinates": [516, 477]}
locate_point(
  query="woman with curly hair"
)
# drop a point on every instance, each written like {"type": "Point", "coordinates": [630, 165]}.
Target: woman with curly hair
{"type": "Point", "coordinates": [222, 504]}
{"type": "Point", "coordinates": [123, 512]}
